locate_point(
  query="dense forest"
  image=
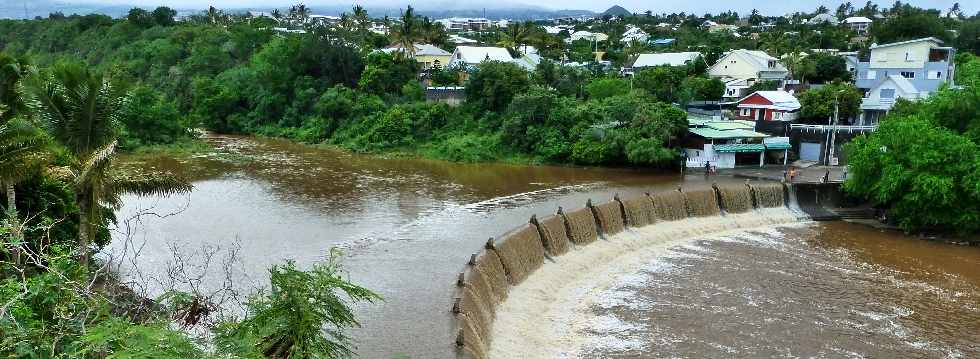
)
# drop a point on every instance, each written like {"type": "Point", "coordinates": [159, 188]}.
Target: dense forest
{"type": "Point", "coordinates": [76, 90]}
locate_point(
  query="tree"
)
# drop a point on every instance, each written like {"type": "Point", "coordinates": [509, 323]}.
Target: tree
{"type": "Point", "coordinates": [384, 74]}
{"type": "Point", "coordinates": [140, 17]}
{"type": "Point", "coordinates": [968, 40]}
{"type": "Point", "coordinates": [765, 85]}
{"type": "Point", "coordinates": [661, 82]}
{"type": "Point", "coordinates": [406, 33]}
{"type": "Point", "coordinates": [81, 111]}
{"type": "Point", "coordinates": [164, 16]}
{"type": "Point", "coordinates": [901, 167]}
{"type": "Point", "coordinates": [494, 84]}
{"type": "Point", "coordinates": [23, 148]}
{"type": "Point", "coordinates": [700, 89]}
{"type": "Point", "coordinates": [607, 87]}
{"type": "Point", "coordinates": [818, 104]}
{"type": "Point", "coordinates": [908, 27]}
{"type": "Point", "coordinates": [826, 68]}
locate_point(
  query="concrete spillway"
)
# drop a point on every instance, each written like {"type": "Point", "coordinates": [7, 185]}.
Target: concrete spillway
{"type": "Point", "coordinates": [522, 270]}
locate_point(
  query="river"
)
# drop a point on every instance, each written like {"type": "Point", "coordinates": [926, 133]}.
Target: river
{"type": "Point", "coordinates": [407, 226]}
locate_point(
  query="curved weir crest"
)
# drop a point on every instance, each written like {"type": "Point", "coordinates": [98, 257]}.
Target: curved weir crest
{"type": "Point", "coordinates": [524, 294]}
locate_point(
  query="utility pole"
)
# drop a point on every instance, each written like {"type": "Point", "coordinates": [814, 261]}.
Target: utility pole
{"type": "Point", "coordinates": [833, 133]}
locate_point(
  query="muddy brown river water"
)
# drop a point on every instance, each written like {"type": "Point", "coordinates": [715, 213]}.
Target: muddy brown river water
{"type": "Point", "coordinates": [407, 226]}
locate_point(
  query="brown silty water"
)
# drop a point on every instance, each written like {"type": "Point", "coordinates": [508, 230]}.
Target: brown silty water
{"type": "Point", "coordinates": [581, 226]}
{"type": "Point", "coordinates": [735, 199]}
{"type": "Point", "coordinates": [826, 290]}
{"type": "Point", "coordinates": [703, 203]}
{"type": "Point", "coordinates": [669, 205]}
{"type": "Point", "coordinates": [553, 234]}
{"type": "Point", "coordinates": [639, 211]}
{"type": "Point", "coordinates": [405, 223]}
{"type": "Point", "coordinates": [768, 195]}
{"type": "Point", "coordinates": [609, 216]}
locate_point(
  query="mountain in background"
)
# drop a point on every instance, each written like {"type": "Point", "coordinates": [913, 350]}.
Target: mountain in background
{"type": "Point", "coordinates": [617, 10]}
{"type": "Point", "coordinates": [20, 9]}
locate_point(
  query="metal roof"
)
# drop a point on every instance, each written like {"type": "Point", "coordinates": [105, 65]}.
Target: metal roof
{"type": "Point", "coordinates": [712, 133]}
{"type": "Point", "coordinates": [739, 148]}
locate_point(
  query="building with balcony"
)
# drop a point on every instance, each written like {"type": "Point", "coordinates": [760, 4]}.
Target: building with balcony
{"type": "Point", "coordinates": [858, 24]}
{"type": "Point", "coordinates": [911, 70]}
{"type": "Point", "coordinates": [739, 69]}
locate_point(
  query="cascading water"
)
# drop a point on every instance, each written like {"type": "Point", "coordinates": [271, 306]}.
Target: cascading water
{"type": "Point", "coordinates": [507, 263]}
{"type": "Point", "coordinates": [639, 211]}
{"type": "Point", "coordinates": [670, 205]}
{"type": "Point", "coordinates": [768, 195]}
{"type": "Point", "coordinates": [702, 203]}
{"type": "Point", "coordinates": [610, 217]}
{"type": "Point", "coordinates": [735, 199]}
{"type": "Point", "coordinates": [581, 226]}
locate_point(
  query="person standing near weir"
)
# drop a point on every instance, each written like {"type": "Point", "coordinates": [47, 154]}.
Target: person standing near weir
{"type": "Point", "coordinates": [707, 168]}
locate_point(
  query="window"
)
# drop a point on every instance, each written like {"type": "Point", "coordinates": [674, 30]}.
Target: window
{"type": "Point", "coordinates": [872, 75]}
{"type": "Point", "coordinates": [935, 75]}
{"type": "Point", "coordinates": [908, 74]}
{"type": "Point", "coordinates": [772, 64]}
{"type": "Point", "coordinates": [746, 112]}
{"type": "Point", "coordinates": [887, 93]}
{"type": "Point", "coordinates": [909, 57]}
{"type": "Point", "coordinates": [776, 116]}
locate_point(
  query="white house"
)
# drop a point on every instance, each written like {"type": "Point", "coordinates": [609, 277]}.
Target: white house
{"type": "Point", "coordinates": [859, 24]}
{"type": "Point", "coordinates": [742, 68]}
{"type": "Point", "coordinates": [662, 59]}
{"type": "Point", "coordinates": [459, 40]}
{"type": "Point", "coordinates": [911, 69]}
{"type": "Point", "coordinates": [822, 19]}
{"type": "Point", "coordinates": [471, 56]}
{"type": "Point", "coordinates": [727, 144]}
{"type": "Point", "coordinates": [634, 34]}
{"type": "Point", "coordinates": [586, 35]}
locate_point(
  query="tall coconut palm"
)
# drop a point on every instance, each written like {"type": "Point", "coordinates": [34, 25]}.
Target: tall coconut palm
{"type": "Point", "coordinates": [361, 18]}
{"type": "Point", "coordinates": [22, 145]}
{"type": "Point", "coordinates": [517, 35]}
{"type": "Point", "coordinates": [81, 111]}
{"type": "Point", "coordinates": [406, 33]}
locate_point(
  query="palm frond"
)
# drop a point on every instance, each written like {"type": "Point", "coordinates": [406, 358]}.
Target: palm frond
{"type": "Point", "coordinates": [97, 162]}
{"type": "Point", "coordinates": [150, 184]}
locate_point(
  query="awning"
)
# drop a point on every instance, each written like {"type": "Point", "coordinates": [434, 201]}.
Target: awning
{"type": "Point", "coordinates": [740, 148]}
{"type": "Point", "coordinates": [778, 146]}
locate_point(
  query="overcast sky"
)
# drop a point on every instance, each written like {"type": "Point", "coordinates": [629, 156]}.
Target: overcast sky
{"type": "Point", "coordinates": [657, 6]}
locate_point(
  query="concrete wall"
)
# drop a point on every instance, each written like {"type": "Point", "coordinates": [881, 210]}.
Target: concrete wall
{"type": "Point", "coordinates": [507, 261]}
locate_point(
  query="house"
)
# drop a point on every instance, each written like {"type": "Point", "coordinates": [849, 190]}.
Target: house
{"type": "Point", "coordinates": [428, 56]}
{"type": "Point", "coordinates": [465, 57]}
{"type": "Point", "coordinates": [740, 69]}
{"type": "Point", "coordinates": [529, 61]}
{"type": "Point", "coordinates": [908, 69]}
{"type": "Point", "coordinates": [716, 28]}
{"type": "Point", "coordinates": [586, 35]}
{"type": "Point", "coordinates": [634, 34]}
{"type": "Point", "coordinates": [662, 59]}
{"type": "Point", "coordinates": [768, 106]}
{"type": "Point", "coordinates": [459, 40]}
{"type": "Point", "coordinates": [726, 144]}
{"type": "Point", "coordinates": [820, 19]}
{"type": "Point", "coordinates": [465, 24]}
{"type": "Point", "coordinates": [858, 24]}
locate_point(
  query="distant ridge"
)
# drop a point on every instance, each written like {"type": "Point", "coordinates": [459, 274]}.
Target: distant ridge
{"type": "Point", "coordinates": [15, 9]}
{"type": "Point", "coordinates": [617, 10]}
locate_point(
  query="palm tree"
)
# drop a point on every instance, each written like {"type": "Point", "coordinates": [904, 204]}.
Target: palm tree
{"type": "Point", "coordinates": [22, 145]}
{"type": "Point", "coordinates": [361, 18]}
{"type": "Point", "coordinates": [406, 33]}
{"type": "Point", "coordinates": [81, 111]}
{"type": "Point", "coordinates": [517, 34]}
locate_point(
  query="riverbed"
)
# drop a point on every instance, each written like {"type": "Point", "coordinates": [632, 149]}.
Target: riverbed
{"type": "Point", "coordinates": [407, 226]}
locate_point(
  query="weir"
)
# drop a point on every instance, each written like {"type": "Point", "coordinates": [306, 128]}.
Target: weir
{"type": "Point", "coordinates": [511, 259]}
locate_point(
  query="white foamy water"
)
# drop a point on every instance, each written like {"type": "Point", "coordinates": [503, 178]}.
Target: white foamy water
{"type": "Point", "coordinates": [551, 313]}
